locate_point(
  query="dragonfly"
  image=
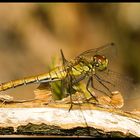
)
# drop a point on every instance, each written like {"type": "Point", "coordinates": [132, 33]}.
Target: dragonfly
{"type": "Point", "coordinates": [91, 65]}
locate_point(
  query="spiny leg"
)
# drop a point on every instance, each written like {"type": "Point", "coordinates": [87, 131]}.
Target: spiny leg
{"type": "Point", "coordinates": [70, 87]}
{"type": "Point", "coordinates": [74, 78]}
{"type": "Point", "coordinates": [103, 86]}
{"type": "Point", "coordinates": [62, 86]}
{"type": "Point", "coordinates": [90, 80]}
{"type": "Point", "coordinates": [104, 80]}
{"type": "Point", "coordinates": [96, 88]}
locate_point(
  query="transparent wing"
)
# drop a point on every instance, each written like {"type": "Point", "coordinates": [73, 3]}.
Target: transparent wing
{"type": "Point", "coordinates": [114, 82]}
{"type": "Point", "coordinates": [109, 50]}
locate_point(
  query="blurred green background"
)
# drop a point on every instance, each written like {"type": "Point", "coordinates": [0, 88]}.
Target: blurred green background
{"type": "Point", "coordinates": [32, 34]}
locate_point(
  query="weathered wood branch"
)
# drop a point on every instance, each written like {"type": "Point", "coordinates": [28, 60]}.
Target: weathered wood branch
{"type": "Point", "coordinates": [56, 119]}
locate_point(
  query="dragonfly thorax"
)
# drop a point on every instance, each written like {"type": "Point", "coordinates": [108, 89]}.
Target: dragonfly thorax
{"type": "Point", "coordinates": [100, 62]}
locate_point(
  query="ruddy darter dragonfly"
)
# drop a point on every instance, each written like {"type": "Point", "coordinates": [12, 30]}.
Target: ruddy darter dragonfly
{"type": "Point", "coordinates": [91, 64]}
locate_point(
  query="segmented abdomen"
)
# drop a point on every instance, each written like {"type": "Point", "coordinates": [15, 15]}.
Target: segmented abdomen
{"type": "Point", "coordinates": [56, 74]}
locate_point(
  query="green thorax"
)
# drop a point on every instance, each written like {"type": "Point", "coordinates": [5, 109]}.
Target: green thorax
{"type": "Point", "coordinates": [81, 66]}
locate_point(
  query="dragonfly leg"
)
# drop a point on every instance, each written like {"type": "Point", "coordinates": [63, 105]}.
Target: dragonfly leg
{"type": "Point", "coordinates": [3, 103]}
{"type": "Point", "coordinates": [104, 80]}
{"type": "Point", "coordinates": [101, 90]}
{"type": "Point", "coordinates": [71, 103]}
{"type": "Point", "coordinates": [62, 88]}
{"type": "Point", "coordinates": [70, 91]}
{"type": "Point", "coordinates": [90, 80]}
{"type": "Point", "coordinates": [103, 86]}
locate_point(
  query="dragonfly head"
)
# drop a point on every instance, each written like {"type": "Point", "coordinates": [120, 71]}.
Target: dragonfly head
{"type": "Point", "coordinates": [100, 62]}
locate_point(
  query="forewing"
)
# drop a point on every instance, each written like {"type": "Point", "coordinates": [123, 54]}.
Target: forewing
{"type": "Point", "coordinates": [109, 51]}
